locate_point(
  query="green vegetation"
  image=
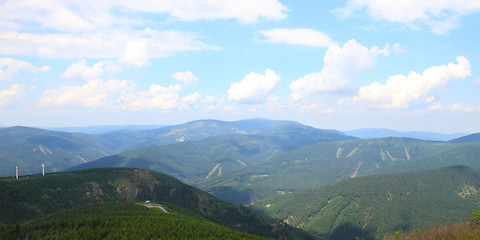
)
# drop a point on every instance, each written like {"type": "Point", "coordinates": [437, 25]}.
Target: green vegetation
{"type": "Point", "coordinates": [192, 161]}
{"type": "Point", "coordinates": [453, 231]}
{"type": "Point", "coordinates": [322, 163]}
{"type": "Point", "coordinates": [469, 138]}
{"type": "Point", "coordinates": [35, 196]}
{"type": "Point", "coordinates": [121, 220]}
{"type": "Point", "coordinates": [28, 148]}
{"type": "Point", "coordinates": [371, 206]}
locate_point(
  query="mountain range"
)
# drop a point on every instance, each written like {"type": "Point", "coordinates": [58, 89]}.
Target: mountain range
{"type": "Point", "coordinates": [28, 198]}
{"type": "Point", "coordinates": [260, 163]}
{"type": "Point", "coordinates": [371, 206]}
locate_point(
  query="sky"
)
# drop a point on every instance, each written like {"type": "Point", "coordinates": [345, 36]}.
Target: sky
{"type": "Point", "coordinates": [405, 65]}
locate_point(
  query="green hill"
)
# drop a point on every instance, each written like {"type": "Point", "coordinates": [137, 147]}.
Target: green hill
{"type": "Point", "coordinates": [28, 148]}
{"type": "Point", "coordinates": [475, 137]}
{"type": "Point", "coordinates": [38, 195]}
{"type": "Point", "coordinates": [195, 161]}
{"type": "Point", "coordinates": [322, 163]}
{"type": "Point", "coordinates": [121, 220]}
{"type": "Point", "coordinates": [371, 206]}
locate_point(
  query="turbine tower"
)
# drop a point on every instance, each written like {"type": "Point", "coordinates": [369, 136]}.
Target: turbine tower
{"type": "Point", "coordinates": [43, 169]}
{"type": "Point", "coordinates": [16, 172]}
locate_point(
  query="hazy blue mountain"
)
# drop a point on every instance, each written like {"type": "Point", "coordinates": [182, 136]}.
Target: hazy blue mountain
{"type": "Point", "coordinates": [191, 131]}
{"type": "Point", "coordinates": [100, 129]}
{"type": "Point", "coordinates": [196, 161]}
{"type": "Point", "coordinates": [28, 148]}
{"type": "Point", "coordinates": [370, 206]}
{"type": "Point", "coordinates": [366, 133]}
{"type": "Point", "coordinates": [475, 137]}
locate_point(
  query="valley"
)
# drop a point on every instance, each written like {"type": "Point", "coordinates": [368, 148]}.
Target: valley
{"type": "Point", "coordinates": [322, 181]}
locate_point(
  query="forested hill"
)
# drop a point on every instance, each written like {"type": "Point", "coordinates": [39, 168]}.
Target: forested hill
{"type": "Point", "coordinates": [475, 137]}
{"type": "Point", "coordinates": [371, 206]}
{"type": "Point", "coordinates": [122, 220]}
{"type": "Point", "coordinates": [28, 148]}
{"type": "Point", "coordinates": [38, 195]}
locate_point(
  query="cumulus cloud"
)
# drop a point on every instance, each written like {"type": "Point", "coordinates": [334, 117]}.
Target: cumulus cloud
{"type": "Point", "coordinates": [187, 78]}
{"type": "Point", "coordinates": [341, 65]}
{"type": "Point", "coordinates": [79, 70]}
{"type": "Point", "coordinates": [188, 100]}
{"type": "Point", "coordinates": [461, 108]}
{"type": "Point", "coordinates": [397, 48]}
{"type": "Point", "coordinates": [76, 16]}
{"type": "Point", "coordinates": [440, 15]}
{"type": "Point", "coordinates": [400, 91]}
{"type": "Point", "coordinates": [131, 47]}
{"type": "Point", "coordinates": [157, 97]}
{"type": "Point", "coordinates": [299, 36]}
{"type": "Point", "coordinates": [254, 88]}
{"type": "Point", "coordinates": [135, 53]}
{"type": "Point", "coordinates": [15, 92]}
{"type": "Point", "coordinates": [95, 93]}
{"type": "Point", "coordinates": [10, 67]}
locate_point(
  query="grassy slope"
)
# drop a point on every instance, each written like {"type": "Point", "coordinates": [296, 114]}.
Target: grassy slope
{"type": "Point", "coordinates": [122, 220]}
{"type": "Point", "coordinates": [38, 195]}
{"type": "Point", "coordinates": [371, 206]}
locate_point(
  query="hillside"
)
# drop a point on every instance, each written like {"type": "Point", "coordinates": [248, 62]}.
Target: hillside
{"type": "Point", "coordinates": [322, 163]}
{"type": "Point", "coordinates": [35, 196]}
{"type": "Point", "coordinates": [196, 161]}
{"type": "Point", "coordinates": [122, 220]}
{"type": "Point", "coordinates": [28, 148]}
{"type": "Point", "coordinates": [475, 137]}
{"type": "Point", "coordinates": [371, 206]}
{"type": "Point", "coordinates": [368, 133]}
{"type": "Point", "coordinates": [201, 129]}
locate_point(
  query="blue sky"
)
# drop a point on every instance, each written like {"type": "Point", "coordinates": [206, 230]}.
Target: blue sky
{"type": "Point", "coordinates": [341, 65]}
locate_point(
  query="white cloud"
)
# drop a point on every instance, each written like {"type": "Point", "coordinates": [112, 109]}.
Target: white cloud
{"type": "Point", "coordinates": [397, 48]}
{"type": "Point", "coordinates": [476, 83]}
{"type": "Point", "coordinates": [400, 91]}
{"type": "Point", "coordinates": [299, 36]}
{"type": "Point", "coordinates": [83, 16]}
{"type": "Point", "coordinates": [187, 78]}
{"type": "Point", "coordinates": [188, 100]}
{"type": "Point", "coordinates": [93, 94]}
{"type": "Point", "coordinates": [440, 15]}
{"type": "Point", "coordinates": [254, 88]}
{"type": "Point", "coordinates": [79, 70]}
{"type": "Point", "coordinates": [10, 67]}
{"type": "Point", "coordinates": [16, 91]}
{"type": "Point", "coordinates": [129, 46]}
{"type": "Point", "coordinates": [462, 108]}
{"type": "Point", "coordinates": [135, 53]}
{"type": "Point", "coordinates": [341, 65]}
{"type": "Point", "coordinates": [157, 97]}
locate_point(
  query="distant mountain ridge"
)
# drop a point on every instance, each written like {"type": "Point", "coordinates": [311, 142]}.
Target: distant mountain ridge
{"type": "Point", "coordinates": [195, 161]}
{"type": "Point", "coordinates": [27, 147]}
{"type": "Point", "coordinates": [475, 137]}
{"type": "Point", "coordinates": [368, 133]}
